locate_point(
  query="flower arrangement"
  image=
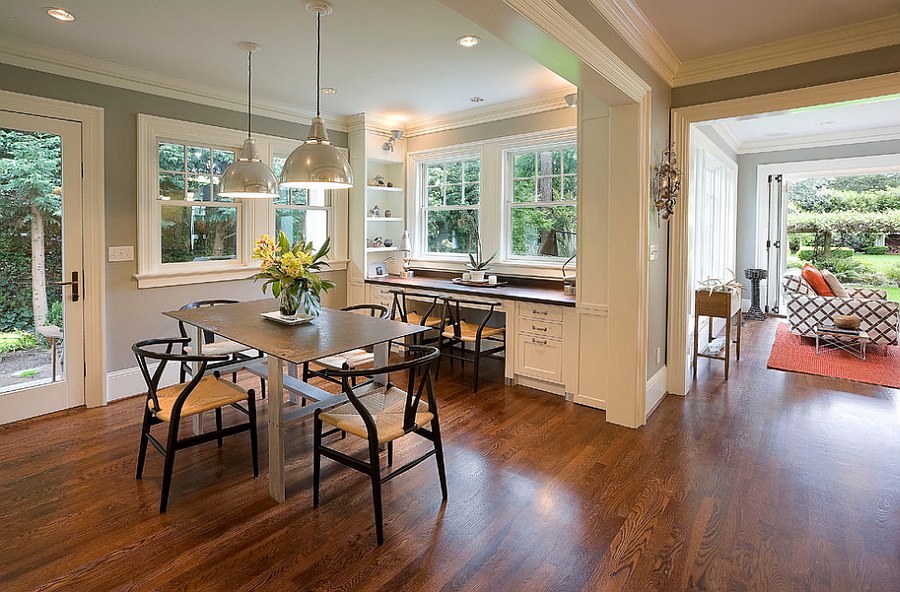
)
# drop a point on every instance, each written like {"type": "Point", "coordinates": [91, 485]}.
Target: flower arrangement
{"type": "Point", "coordinates": [293, 272]}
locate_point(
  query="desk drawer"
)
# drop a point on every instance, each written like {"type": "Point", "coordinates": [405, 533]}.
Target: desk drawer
{"type": "Point", "coordinates": [539, 357]}
{"type": "Point", "coordinates": [543, 312]}
{"type": "Point", "coordinates": [540, 328]}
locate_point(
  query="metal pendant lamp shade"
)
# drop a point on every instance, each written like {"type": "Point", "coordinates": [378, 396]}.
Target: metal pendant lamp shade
{"type": "Point", "coordinates": [317, 164]}
{"type": "Point", "coordinates": [248, 176]}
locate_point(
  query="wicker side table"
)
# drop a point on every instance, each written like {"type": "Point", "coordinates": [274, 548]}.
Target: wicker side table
{"type": "Point", "coordinates": [755, 313]}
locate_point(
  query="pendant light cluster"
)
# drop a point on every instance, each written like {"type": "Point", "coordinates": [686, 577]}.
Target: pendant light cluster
{"type": "Point", "coordinates": [248, 176]}
{"type": "Point", "coordinates": [317, 163]}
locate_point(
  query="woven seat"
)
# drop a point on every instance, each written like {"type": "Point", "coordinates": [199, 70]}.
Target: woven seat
{"type": "Point", "coordinates": [387, 411]}
{"type": "Point", "coordinates": [226, 347]}
{"type": "Point", "coordinates": [416, 319]}
{"type": "Point", "coordinates": [210, 393]}
{"type": "Point", "coordinates": [354, 359]}
{"type": "Point", "coordinates": [468, 332]}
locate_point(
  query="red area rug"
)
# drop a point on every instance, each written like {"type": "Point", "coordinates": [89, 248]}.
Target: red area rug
{"type": "Point", "coordinates": [795, 354]}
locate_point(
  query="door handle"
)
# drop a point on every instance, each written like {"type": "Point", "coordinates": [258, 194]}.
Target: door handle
{"type": "Point", "coordinates": [74, 284]}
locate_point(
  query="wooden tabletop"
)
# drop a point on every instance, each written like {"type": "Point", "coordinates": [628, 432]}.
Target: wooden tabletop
{"type": "Point", "coordinates": [541, 295]}
{"type": "Point", "coordinates": [333, 332]}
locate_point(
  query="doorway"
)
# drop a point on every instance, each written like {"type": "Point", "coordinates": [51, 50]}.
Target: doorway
{"type": "Point", "coordinates": [41, 209]}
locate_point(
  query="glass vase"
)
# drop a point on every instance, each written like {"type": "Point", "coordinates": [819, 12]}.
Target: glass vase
{"type": "Point", "coordinates": [289, 304]}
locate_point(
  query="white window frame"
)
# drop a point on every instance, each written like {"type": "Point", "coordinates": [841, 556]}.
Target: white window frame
{"type": "Point", "coordinates": [492, 217]}
{"type": "Point", "coordinates": [255, 216]}
{"type": "Point", "coordinates": [509, 203]}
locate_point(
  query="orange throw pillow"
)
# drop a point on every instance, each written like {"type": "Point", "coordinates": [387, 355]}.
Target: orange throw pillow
{"type": "Point", "coordinates": [816, 280]}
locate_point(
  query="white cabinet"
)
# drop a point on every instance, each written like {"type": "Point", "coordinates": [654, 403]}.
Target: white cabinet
{"type": "Point", "coordinates": [539, 344]}
{"type": "Point", "coordinates": [539, 357]}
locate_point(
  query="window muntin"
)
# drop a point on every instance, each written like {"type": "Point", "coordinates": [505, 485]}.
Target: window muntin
{"type": "Point", "coordinates": [196, 225]}
{"type": "Point", "coordinates": [451, 202]}
{"type": "Point", "coordinates": [302, 211]}
{"type": "Point", "coordinates": [542, 193]}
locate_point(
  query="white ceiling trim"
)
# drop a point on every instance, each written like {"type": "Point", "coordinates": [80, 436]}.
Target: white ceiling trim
{"type": "Point", "coordinates": [826, 44]}
{"type": "Point", "coordinates": [820, 140]}
{"type": "Point", "coordinates": [628, 20]}
{"type": "Point", "coordinates": [728, 135]}
{"type": "Point", "coordinates": [549, 102]}
{"type": "Point", "coordinates": [26, 54]}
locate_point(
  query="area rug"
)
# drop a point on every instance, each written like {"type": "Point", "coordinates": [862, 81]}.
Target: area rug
{"type": "Point", "coordinates": [795, 354]}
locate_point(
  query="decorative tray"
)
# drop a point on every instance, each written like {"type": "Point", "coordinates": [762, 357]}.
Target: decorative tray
{"type": "Point", "coordinates": [276, 316]}
{"type": "Point", "coordinates": [483, 284]}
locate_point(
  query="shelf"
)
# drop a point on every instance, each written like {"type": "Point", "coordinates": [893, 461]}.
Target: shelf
{"type": "Point", "coordinates": [380, 249]}
{"type": "Point", "coordinates": [382, 219]}
{"type": "Point", "coordinates": [384, 188]}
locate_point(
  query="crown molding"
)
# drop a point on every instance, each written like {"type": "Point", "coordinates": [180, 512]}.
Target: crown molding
{"type": "Point", "coordinates": [628, 20]}
{"type": "Point", "coordinates": [496, 112]}
{"type": "Point", "coordinates": [807, 48]}
{"type": "Point", "coordinates": [25, 54]}
{"type": "Point", "coordinates": [727, 134]}
{"type": "Point", "coordinates": [880, 134]}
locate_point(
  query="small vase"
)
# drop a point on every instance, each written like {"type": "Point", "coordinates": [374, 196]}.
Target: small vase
{"type": "Point", "coordinates": [288, 305]}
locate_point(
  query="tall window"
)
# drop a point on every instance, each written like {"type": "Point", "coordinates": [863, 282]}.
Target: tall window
{"type": "Point", "coordinates": [542, 189]}
{"type": "Point", "coordinates": [452, 196]}
{"type": "Point", "coordinates": [302, 211]}
{"type": "Point", "coordinates": [714, 211]}
{"type": "Point", "coordinates": [195, 223]}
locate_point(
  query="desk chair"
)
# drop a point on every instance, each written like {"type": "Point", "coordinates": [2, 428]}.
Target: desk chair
{"type": "Point", "coordinates": [380, 414]}
{"type": "Point", "coordinates": [172, 404]}
{"type": "Point", "coordinates": [457, 332]}
{"type": "Point", "coordinates": [400, 311]}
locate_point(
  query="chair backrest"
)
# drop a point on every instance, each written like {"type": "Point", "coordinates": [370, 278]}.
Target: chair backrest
{"type": "Point", "coordinates": [374, 310]}
{"type": "Point", "coordinates": [400, 306]}
{"type": "Point", "coordinates": [452, 311]}
{"type": "Point", "coordinates": [208, 336]}
{"type": "Point", "coordinates": [148, 349]}
{"type": "Point", "coordinates": [419, 382]}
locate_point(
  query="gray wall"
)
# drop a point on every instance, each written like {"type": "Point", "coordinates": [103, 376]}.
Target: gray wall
{"type": "Point", "coordinates": [747, 199]}
{"type": "Point", "coordinates": [134, 314]}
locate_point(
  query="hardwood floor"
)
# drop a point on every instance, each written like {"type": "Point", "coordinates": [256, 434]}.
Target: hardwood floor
{"type": "Point", "coordinates": [771, 481]}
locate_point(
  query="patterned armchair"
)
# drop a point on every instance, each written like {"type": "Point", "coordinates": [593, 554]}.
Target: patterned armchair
{"type": "Point", "coordinates": [879, 317]}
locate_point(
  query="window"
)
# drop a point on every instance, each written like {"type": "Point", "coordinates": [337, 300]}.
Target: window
{"type": "Point", "coordinates": [450, 204]}
{"type": "Point", "coordinates": [542, 190]}
{"type": "Point", "coordinates": [195, 223]}
{"type": "Point", "coordinates": [301, 211]}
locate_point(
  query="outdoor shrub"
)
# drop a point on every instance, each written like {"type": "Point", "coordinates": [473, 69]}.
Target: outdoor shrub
{"type": "Point", "coordinates": [858, 241]}
{"type": "Point", "coordinates": [16, 340]}
{"type": "Point", "coordinates": [876, 250]}
{"type": "Point", "coordinates": [794, 265]}
{"type": "Point", "coordinates": [28, 373]}
{"type": "Point", "coordinates": [806, 254]}
{"type": "Point", "coordinates": [55, 314]}
{"type": "Point", "coordinates": [893, 274]}
{"type": "Point", "coordinates": [850, 271]}
{"type": "Point", "coordinates": [842, 252]}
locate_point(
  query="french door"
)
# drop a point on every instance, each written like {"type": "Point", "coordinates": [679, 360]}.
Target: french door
{"type": "Point", "coordinates": [776, 245]}
{"type": "Point", "coordinates": [41, 266]}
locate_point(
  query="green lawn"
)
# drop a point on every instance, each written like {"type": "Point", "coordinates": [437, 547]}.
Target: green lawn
{"type": "Point", "coordinates": [879, 262]}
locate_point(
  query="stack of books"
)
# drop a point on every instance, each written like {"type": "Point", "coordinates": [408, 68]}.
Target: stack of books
{"type": "Point", "coordinates": [836, 330]}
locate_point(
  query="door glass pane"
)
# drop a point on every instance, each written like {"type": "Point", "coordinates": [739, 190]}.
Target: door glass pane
{"type": "Point", "coordinates": [31, 310]}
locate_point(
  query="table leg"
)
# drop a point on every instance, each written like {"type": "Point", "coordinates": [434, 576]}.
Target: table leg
{"type": "Point", "coordinates": [292, 371]}
{"type": "Point", "coordinates": [382, 355]}
{"type": "Point", "coordinates": [727, 345]}
{"type": "Point", "coordinates": [740, 319]}
{"type": "Point", "coordinates": [276, 428]}
{"type": "Point", "coordinates": [195, 368]}
{"type": "Point", "coordinates": [696, 340]}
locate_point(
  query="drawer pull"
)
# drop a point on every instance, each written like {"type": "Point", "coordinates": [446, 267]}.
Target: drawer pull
{"type": "Point", "coordinates": [535, 328]}
{"type": "Point", "coordinates": [538, 341]}
{"type": "Point", "coordinates": [539, 312]}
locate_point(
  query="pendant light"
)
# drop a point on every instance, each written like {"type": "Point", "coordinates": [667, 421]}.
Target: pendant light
{"type": "Point", "coordinates": [316, 164]}
{"type": "Point", "coordinates": [248, 176]}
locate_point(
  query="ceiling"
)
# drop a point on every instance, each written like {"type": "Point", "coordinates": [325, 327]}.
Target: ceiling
{"type": "Point", "coordinates": [393, 58]}
{"type": "Point", "coordinates": [696, 29]}
{"type": "Point", "coordinates": [843, 123]}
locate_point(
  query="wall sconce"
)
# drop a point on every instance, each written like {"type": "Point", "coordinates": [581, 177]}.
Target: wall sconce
{"type": "Point", "coordinates": [571, 100]}
{"type": "Point", "coordinates": [668, 183]}
{"type": "Point", "coordinates": [389, 145]}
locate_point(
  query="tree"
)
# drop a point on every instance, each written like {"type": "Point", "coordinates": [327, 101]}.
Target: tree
{"type": "Point", "coordinates": [30, 183]}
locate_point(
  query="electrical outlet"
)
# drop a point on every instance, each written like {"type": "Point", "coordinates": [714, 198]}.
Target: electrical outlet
{"type": "Point", "coordinates": [121, 253]}
{"type": "Point", "coordinates": [659, 355]}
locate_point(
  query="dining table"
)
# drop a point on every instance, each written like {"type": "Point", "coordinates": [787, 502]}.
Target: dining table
{"type": "Point", "coordinates": [330, 333]}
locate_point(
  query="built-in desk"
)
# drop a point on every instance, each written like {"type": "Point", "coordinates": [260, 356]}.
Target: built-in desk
{"type": "Point", "coordinates": [541, 325]}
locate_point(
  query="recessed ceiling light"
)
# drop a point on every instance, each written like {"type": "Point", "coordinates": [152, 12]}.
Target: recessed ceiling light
{"type": "Point", "coordinates": [468, 41]}
{"type": "Point", "coordinates": [61, 14]}
{"type": "Point", "coordinates": [826, 123]}
{"type": "Point", "coordinates": [328, 91]}
{"type": "Point", "coordinates": [476, 99]}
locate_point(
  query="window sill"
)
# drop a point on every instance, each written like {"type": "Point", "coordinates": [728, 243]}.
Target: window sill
{"type": "Point", "coordinates": [546, 271]}
{"type": "Point", "coordinates": [185, 278]}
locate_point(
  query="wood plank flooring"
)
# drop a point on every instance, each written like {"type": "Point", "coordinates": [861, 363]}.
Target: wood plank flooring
{"type": "Point", "coordinates": [771, 481]}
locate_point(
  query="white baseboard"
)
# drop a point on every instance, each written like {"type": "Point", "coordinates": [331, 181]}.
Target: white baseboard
{"type": "Point", "coordinates": [129, 381]}
{"type": "Point", "coordinates": [656, 390]}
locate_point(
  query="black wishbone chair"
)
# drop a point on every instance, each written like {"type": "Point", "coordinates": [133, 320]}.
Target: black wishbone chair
{"type": "Point", "coordinates": [381, 414]}
{"type": "Point", "coordinates": [455, 331]}
{"type": "Point", "coordinates": [172, 404]}
{"type": "Point", "coordinates": [401, 311]}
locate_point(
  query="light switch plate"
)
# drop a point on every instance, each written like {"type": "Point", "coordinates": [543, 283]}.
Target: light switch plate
{"type": "Point", "coordinates": [121, 253]}
{"type": "Point", "coordinates": [654, 252]}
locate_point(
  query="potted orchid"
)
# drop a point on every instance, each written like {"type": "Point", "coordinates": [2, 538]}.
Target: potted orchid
{"type": "Point", "coordinates": [477, 264]}
{"type": "Point", "coordinates": [293, 273]}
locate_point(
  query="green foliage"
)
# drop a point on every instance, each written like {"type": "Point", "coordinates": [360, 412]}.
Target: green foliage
{"type": "Point", "coordinates": [887, 221]}
{"type": "Point", "coordinates": [16, 340]}
{"type": "Point", "coordinates": [793, 264]}
{"type": "Point", "coordinates": [806, 253]}
{"type": "Point", "coordinates": [892, 274]}
{"type": "Point", "coordinates": [849, 270]}
{"type": "Point", "coordinates": [876, 250]}
{"type": "Point", "coordinates": [55, 314]}
{"type": "Point", "coordinates": [842, 252]}
{"type": "Point", "coordinates": [28, 373]}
